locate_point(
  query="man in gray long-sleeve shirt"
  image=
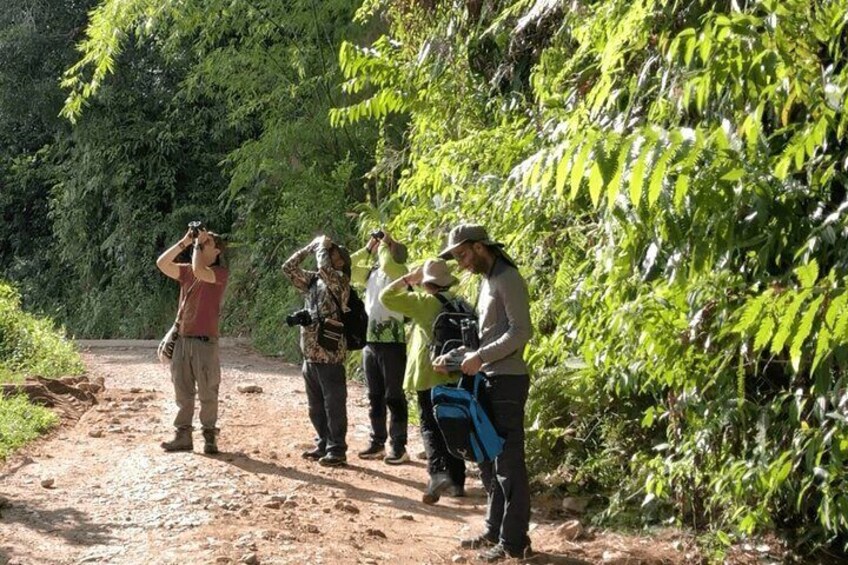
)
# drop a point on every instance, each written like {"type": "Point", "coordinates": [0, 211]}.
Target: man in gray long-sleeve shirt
{"type": "Point", "coordinates": [503, 307]}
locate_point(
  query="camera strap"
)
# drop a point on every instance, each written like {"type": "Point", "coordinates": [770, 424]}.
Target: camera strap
{"type": "Point", "coordinates": [336, 300]}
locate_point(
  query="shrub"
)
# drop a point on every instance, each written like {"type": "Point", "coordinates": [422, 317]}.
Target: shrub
{"type": "Point", "coordinates": [31, 345]}
{"type": "Point", "coordinates": [21, 422]}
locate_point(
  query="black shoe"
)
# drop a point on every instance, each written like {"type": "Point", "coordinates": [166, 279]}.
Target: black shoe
{"type": "Point", "coordinates": [396, 458]}
{"type": "Point", "coordinates": [438, 484]}
{"type": "Point", "coordinates": [374, 451]}
{"type": "Point", "coordinates": [483, 540]}
{"type": "Point", "coordinates": [331, 460]}
{"type": "Point", "coordinates": [314, 454]}
{"type": "Point", "coordinates": [499, 552]}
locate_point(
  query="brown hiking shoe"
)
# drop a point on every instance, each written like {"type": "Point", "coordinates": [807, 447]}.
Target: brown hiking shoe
{"type": "Point", "coordinates": [182, 442]}
{"type": "Point", "coordinates": [210, 444]}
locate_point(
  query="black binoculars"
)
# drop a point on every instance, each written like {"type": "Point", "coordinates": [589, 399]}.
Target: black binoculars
{"type": "Point", "coordinates": [195, 227]}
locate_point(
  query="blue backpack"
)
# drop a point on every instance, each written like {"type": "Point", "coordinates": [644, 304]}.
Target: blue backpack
{"type": "Point", "coordinates": [468, 432]}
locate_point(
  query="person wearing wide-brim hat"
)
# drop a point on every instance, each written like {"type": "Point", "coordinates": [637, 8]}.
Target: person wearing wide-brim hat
{"type": "Point", "coordinates": [415, 296]}
{"type": "Point", "coordinates": [503, 310]}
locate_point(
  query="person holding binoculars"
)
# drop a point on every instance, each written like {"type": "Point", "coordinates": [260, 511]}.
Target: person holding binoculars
{"type": "Point", "coordinates": [195, 363]}
{"type": "Point", "coordinates": [322, 343]}
{"type": "Point", "coordinates": [374, 267]}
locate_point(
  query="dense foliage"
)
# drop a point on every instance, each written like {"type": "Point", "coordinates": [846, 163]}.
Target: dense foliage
{"type": "Point", "coordinates": [216, 112]}
{"type": "Point", "coordinates": [669, 174]}
{"type": "Point", "coordinates": [30, 345]}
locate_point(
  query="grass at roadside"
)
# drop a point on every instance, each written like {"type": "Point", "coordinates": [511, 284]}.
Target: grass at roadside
{"type": "Point", "coordinates": [29, 345]}
{"type": "Point", "coordinates": [21, 422]}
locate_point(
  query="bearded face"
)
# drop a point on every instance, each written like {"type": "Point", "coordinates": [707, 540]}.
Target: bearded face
{"type": "Point", "coordinates": [471, 257]}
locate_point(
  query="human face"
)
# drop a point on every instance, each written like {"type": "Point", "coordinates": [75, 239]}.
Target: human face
{"type": "Point", "coordinates": [469, 258]}
{"type": "Point", "coordinates": [337, 259]}
{"type": "Point", "coordinates": [210, 252]}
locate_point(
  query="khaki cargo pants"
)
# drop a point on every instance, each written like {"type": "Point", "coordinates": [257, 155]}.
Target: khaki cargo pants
{"type": "Point", "coordinates": [196, 369]}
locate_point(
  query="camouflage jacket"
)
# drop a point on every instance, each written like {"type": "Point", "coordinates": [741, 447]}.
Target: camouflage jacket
{"type": "Point", "coordinates": [316, 287]}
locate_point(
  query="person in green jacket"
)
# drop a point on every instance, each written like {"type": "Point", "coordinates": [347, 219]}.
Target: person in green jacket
{"type": "Point", "coordinates": [422, 306]}
{"type": "Point", "coordinates": [374, 267]}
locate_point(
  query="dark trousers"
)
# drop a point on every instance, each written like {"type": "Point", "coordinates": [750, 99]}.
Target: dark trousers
{"type": "Point", "coordinates": [439, 460]}
{"type": "Point", "coordinates": [383, 365]}
{"type": "Point", "coordinates": [505, 478]}
{"type": "Point", "coordinates": [326, 392]}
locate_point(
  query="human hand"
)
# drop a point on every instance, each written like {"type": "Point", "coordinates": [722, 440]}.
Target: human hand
{"type": "Point", "coordinates": [203, 237]}
{"type": "Point", "coordinates": [415, 276]}
{"type": "Point", "coordinates": [471, 363]}
{"type": "Point", "coordinates": [440, 368]}
{"type": "Point", "coordinates": [187, 239]}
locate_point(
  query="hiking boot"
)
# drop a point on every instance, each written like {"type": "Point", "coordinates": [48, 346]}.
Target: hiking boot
{"type": "Point", "coordinates": [332, 460]}
{"type": "Point", "coordinates": [210, 445]}
{"type": "Point", "coordinates": [438, 483]}
{"type": "Point", "coordinates": [499, 552]}
{"type": "Point", "coordinates": [374, 451]}
{"type": "Point", "coordinates": [396, 458]}
{"type": "Point", "coordinates": [314, 454]}
{"type": "Point", "coordinates": [483, 540]}
{"type": "Point", "coordinates": [182, 442]}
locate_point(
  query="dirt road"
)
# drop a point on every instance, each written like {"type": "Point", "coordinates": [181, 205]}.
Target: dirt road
{"type": "Point", "coordinates": [102, 491]}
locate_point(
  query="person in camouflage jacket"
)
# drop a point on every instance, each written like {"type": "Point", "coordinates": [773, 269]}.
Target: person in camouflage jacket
{"type": "Point", "coordinates": [325, 293]}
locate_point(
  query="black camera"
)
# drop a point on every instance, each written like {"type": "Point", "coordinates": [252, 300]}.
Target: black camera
{"type": "Point", "coordinates": [299, 318]}
{"type": "Point", "coordinates": [470, 333]}
{"type": "Point", "coordinates": [195, 227]}
{"type": "Point", "coordinates": [379, 234]}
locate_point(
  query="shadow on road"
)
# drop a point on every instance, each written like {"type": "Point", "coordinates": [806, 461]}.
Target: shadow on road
{"type": "Point", "coordinates": [410, 505]}
{"type": "Point", "coordinates": [68, 523]}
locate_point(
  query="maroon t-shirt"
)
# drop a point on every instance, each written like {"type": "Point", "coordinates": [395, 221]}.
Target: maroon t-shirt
{"type": "Point", "coordinates": [201, 310]}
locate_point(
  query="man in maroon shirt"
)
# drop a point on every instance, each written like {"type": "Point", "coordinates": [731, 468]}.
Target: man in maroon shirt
{"type": "Point", "coordinates": [195, 365]}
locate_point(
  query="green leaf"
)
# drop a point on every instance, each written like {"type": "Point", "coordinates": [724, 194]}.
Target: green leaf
{"type": "Point", "coordinates": [808, 274]}
{"type": "Point", "coordinates": [658, 175]}
{"type": "Point", "coordinates": [822, 347]}
{"type": "Point", "coordinates": [733, 175]}
{"type": "Point", "coordinates": [804, 328]}
{"type": "Point", "coordinates": [596, 183]}
{"type": "Point", "coordinates": [764, 333]}
{"type": "Point", "coordinates": [579, 168]}
{"type": "Point", "coordinates": [562, 172]}
{"type": "Point", "coordinates": [681, 187]}
{"type": "Point", "coordinates": [836, 307]}
{"type": "Point", "coordinates": [637, 174]}
{"type": "Point", "coordinates": [614, 186]}
{"type": "Point", "coordinates": [751, 315]}
{"type": "Point", "coordinates": [787, 321]}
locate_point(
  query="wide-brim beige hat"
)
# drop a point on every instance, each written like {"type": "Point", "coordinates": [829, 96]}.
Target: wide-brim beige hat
{"type": "Point", "coordinates": [467, 233]}
{"type": "Point", "coordinates": [437, 272]}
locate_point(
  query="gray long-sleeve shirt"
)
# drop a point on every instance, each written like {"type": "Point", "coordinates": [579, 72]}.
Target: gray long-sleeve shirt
{"type": "Point", "coordinates": [503, 308]}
